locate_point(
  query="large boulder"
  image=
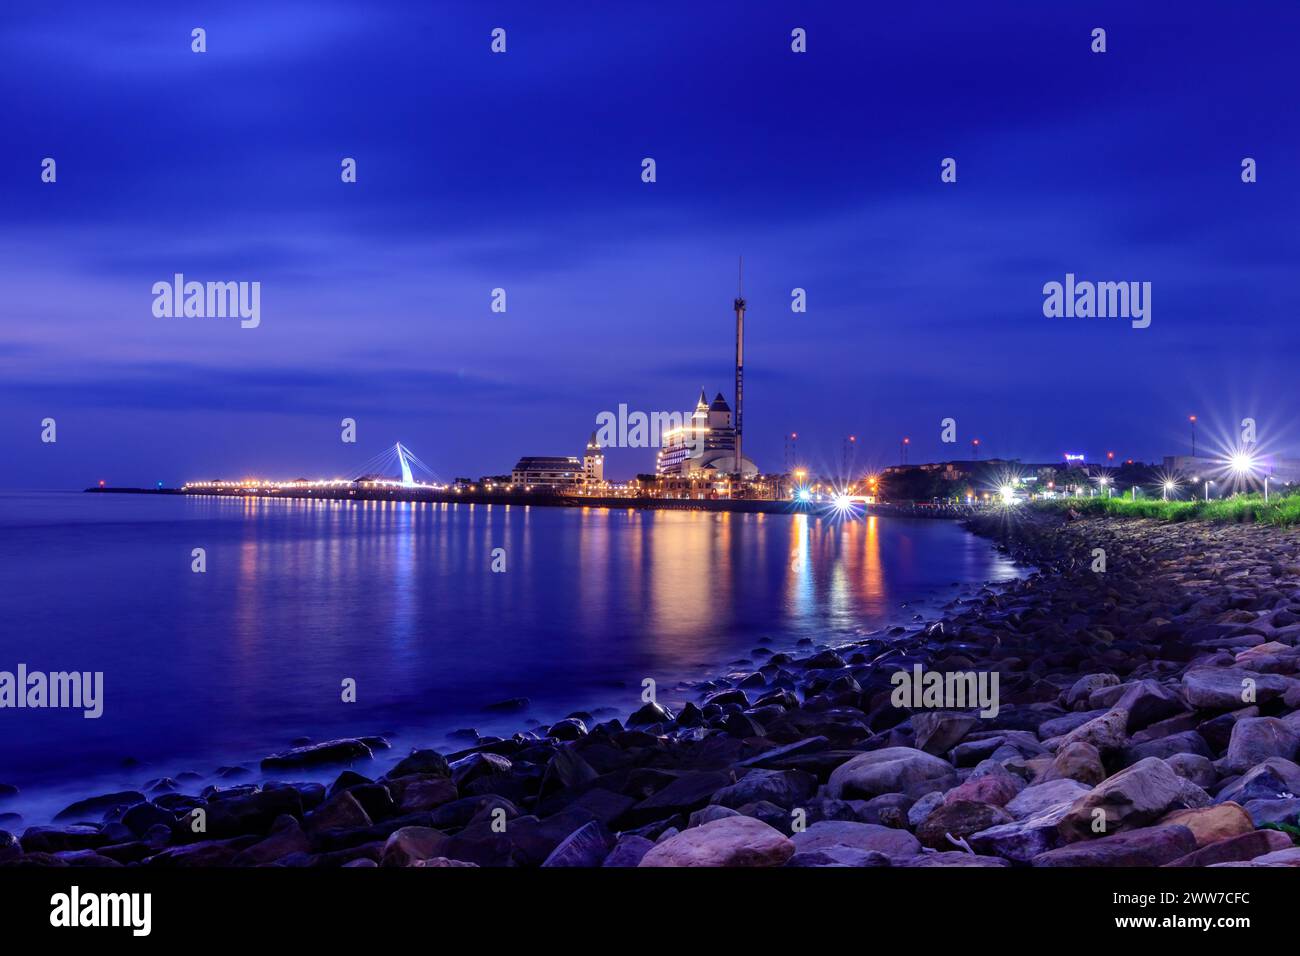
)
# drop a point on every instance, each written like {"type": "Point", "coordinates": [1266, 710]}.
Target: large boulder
{"type": "Point", "coordinates": [1107, 733]}
{"type": "Point", "coordinates": [586, 846]}
{"type": "Point", "coordinates": [1275, 778]}
{"type": "Point", "coordinates": [1212, 824]}
{"type": "Point", "coordinates": [1134, 797]}
{"type": "Point", "coordinates": [1035, 799]}
{"type": "Point", "coordinates": [345, 751]}
{"type": "Point", "coordinates": [1146, 846]}
{"type": "Point", "coordinates": [1229, 688]}
{"type": "Point", "coordinates": [628, 851]}
{"type": "Point", "coordinates": [94, 808]}
{"type": "Point", "coordinates": [421, 792]}
{"type": "Point", "coordinates": [286, 837]}
{"type": "Point", "coordinates": [1236, 849]}
{"type": "Point", "coordinates": [1145, 702]}
{"type": "Point", "coordinates": [1075, 761]}
{"type": "Point", "coordinates": [732, 841]}
{"type": "Point", "coordinates": [991, 783]}
{"type": "Point", "coordinates": [891, 770]}
{"type": "Point", "coordinates": [860, 836]}
{"type": "Point", "coordinates": [341, 811]}
{"type": "Point", "coordinates": [421, 762]}
{"type": "Point", "coordinates": [1255, 739]}
{"type": "Point", "coordinates": [1022, 840]}
{"type": "Point", "coordinates": [1077, 696]}
{"type": "Point", "coordinates": [938, 731]}
{"type": "Point", "coordinates": [785, 788]}
{"type": "Point", "coordinates": [408, 844]}
{"type": "Point", "coordinates": [956, 821]}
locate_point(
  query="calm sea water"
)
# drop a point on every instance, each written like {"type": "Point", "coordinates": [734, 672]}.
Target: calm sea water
{"type": "Point", "coordinates": [226, 666]}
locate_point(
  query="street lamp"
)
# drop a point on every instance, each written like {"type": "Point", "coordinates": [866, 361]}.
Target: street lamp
{"type": "Point", "coordinates": [975, 447]}
{"type": "Point", "coordinates": [1168, 487]}
{"type": "Point", "coordinates": [1192, 419]}
{"type": "Point", "coordinates": [1207, 491]}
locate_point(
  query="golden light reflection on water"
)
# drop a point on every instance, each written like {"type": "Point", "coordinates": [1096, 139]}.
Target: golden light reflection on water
{"type": "Point", "coordinates": [675, 581]}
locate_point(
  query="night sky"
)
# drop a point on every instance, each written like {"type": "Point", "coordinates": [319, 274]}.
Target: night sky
{"type": "Point", "coordinates": [523, 171]}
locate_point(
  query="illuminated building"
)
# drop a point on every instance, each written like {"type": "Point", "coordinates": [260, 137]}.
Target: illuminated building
{"type": "Point", "coordinates": [548, 472]}
{"type": "Point", "coordinates": [706, 447]}
{"type": "Point", "coordinates": [593, 463]}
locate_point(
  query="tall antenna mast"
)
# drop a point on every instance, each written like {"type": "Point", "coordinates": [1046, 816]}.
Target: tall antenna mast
{"type": "Point", "coordinates": [739, 306]}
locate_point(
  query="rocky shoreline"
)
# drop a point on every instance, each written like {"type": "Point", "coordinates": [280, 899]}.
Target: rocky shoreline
{"type": "Point", "coordinates": [1146, 714]}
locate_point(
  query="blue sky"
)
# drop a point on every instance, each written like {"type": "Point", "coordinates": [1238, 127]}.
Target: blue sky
{"type": "Point", "coordinates": [522, 171]}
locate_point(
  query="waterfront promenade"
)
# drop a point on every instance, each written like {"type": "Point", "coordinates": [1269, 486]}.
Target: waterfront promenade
{"type": "Point", "coordinates": [546, 499]}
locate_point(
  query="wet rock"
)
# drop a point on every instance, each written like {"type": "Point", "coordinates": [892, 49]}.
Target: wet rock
{"type": "Point", "coordinates": [1236, 849]}
{"type": "Point", "coordinates": [468, 769]}
{"type": "Point", "coordinates": [923, 807]}
{"type": "Point", "coordinates": [628, 851]}
{"type": "Point", "coordinates": [1035, 799]}
{"type": "Point", "coordinates": [421, 792]}
{"type": "Point", "coordinates": [891, 770]}
{"type": "Point", "coordinates": [571, 728]}
{"type": "Point", "coordinates": [1132, 798]}
{"type": "Point", "coordinates": [865, 837]}
{"type": "Point", "coordinates": [1228, 688]}
{"type": "Point", "coordinates": [1274, 811]}
{"type": "Point", "coordinates": [94, 808]}
{"type": "Point", "coordinates": [139, 818]}
{"type": "Point", "coordinates": [343, 751]}
{"type": "Point", "coordinates": [1256, 739]}
{"type": "Point", "coordinates": [421, 762]}
{"type": "Point", "coordinates": [286, 837]}
{"type": "Point", "coordinates": [733, 841]}
{"type": "Point", "coordinates": [837, 856]}
{"type": "Point", "coordinates": [1022, 840]}
{"type": "Point", "coordinates": [1076, 761]}
{"type": "Point", "coordinates": [252, 811]}
{"type": "Point", "coordinates": [937, 732]}
{"type": "Point", "coordinates": [1145, 846]}
{"type": "Point", "coordinates": [651, 713]}
{"type": "Point", "coordinates": [958, 820]}
{"type": "Point", "coordinates": [1275, 778]}
{"type": "Point", "coordinates": [687, 792]}
{"type": "Point", "coordinates": [991, 783]}
{"type": "Point", "coordinates": [342, 811]}
{"type": "Point", "coordinates": [1199, 770]}
{"type": "Point", "coordinates": [784, 788]}
{"type": "Point", "coordinates": [588, 845]}
{"type": "Point", "coordinates": [1077, 696]}
{"type": "Point", "coordinates": [1187, 742]}
{"type": "Point", "coordinates": [1212, 824]}
{"type": "Point", "coordinates": [408, 845]}
{"type": "Point", "coordinates": [57, 839]}
{"type": "Point", "coordinates": [952, 859]}
{"type": "Point", "coordinates": [1290, 857]}
{"type": "Point", "coordinates": [205, 853]}
{"type": "Point", "coordinates": [1107, 733]}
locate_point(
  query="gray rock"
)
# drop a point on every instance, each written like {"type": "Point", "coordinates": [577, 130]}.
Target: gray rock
{"type": "Point", "coordinates": [1036, 799]}
{"type": "Point", "coordinates": [628, 851]}
{"type": "Point", "coordinates": [891, 770]}
{"type": "Point", "coordinates": [859, 836]}
{"type": "Point", "coordinates": [1255, 739]}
